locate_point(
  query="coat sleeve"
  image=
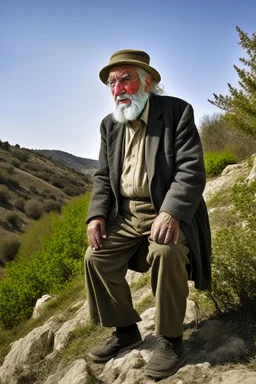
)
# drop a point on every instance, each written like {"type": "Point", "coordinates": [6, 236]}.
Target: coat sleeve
{"type": "Point", "coordinates": [102, 194]}
{"type": "Point", "coordinates": [189, 175]}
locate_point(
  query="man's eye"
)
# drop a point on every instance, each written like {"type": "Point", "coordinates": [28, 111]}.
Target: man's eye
{"type": "Point", "coordinates": [112, 83]}
{"type": "Point", "coordinates": [126, 79]}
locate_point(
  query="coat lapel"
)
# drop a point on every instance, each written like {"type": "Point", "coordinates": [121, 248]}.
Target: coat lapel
{"type": "Point", "coordinates": [153, 135]}
{"type": "Point", "coordinates": [115, 152]}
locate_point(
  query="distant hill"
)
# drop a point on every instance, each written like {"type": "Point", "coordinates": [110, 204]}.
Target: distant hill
{"type": "Point", "coordinates": [80, 164]}
{"type": "Point", "coordinates": [31, 184]}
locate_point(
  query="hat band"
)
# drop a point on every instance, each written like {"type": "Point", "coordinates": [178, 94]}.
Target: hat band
{"type": "Point", "coordinates": [118, 58]}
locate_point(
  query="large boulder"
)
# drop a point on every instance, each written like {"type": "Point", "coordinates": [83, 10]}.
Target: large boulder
{"type": "Point", "coordinates": [21, 363]}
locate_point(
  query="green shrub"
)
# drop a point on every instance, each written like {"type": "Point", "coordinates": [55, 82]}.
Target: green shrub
{"type": "Point", "coordinates": [8, 249]}
{"type": "Point", "coordinates": [19, 204]}
{"type": "Point", "coordinates": [234, 268]}
{"type": "Point", "coordinates": [44, 175]}
{"type": "Point", "coordinates": [218, 135]}
{"type": "Point", "coordinates": [15, 162]}
{"type": "Point", "coordinates": [216, 162]}
{"type": "Point", "coordinates": [5, 224]}
{"type": "Point", "coordinates": [13, 218]}
{"type": "Point", "coordinates": [10, 169]}
{"type": "Point", "coordinates": [58, 182]}
{"type": "Point", "coordinates": [234, 256]}
{"type": "Point", "coordinates": [4, 194]}
{"type": "Point", "coordinates": [58, 260]}
{"type": "Point", "coordinates": [20, 154]}
{"type": "Point", "coordinates": [51, 205]}
{"type": "Point", "coordinates": [73, 190]}
{"type": "Point", "coordinates": [33, 189]}
{"type": "Point", "coordinates": [37, 234]}
{"type": "Point", "coordinates": [33, 209]}
{"type": "Point", "coordinates": [8, 180]}
{"type": "Point", "coordinates": [244, 198]}
{"type": "Point", "coordinates": [34, 167]}
{"type": "Point", "coordinates": [5, 145]}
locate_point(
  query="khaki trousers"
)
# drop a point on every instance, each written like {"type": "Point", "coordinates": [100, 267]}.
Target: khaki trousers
{"type": "Point", "coordinates": [108, 293]}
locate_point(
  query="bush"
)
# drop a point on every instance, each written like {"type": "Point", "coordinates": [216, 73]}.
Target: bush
{"type": "Point", "coordinates": [10, 169]}
{"type": "Point", "coordinates": [19, 204]}
{"type": "Point", "coordinates": [234, 268]}
{"type": "Point", "coordinates": [20, 154]}
{"type": "Point", "coordinates": [15, 162]}
{"type": "Point", "coordinates": [5, 145]}
{"type": "Point", "coordinates": [33, 189]}
{"type": "Point", "coordinates": [218, 135]}
{"type": "Point", "coordinates": [234, 257]}
{"type": "Point", "coordinates": [8, 180]}
{"type": "Point", "coordinates": [5, 224]}
{"type": "Point", "coordinates": [51, 205]}
{"type": "Point", "coordinates": [73, 190]}
{"type": "Point", "coordinates": [8, 249]}
{"type": "Point", "coordinates": [58, 182]}
{"type": "Point", "coordinates": [58, 260]}
{"type": "Point", "coordinates": [13, 218]}
{"type": "Point", "coordinates": [4, 194]}
{"type": "Point", "coordinates": [34, 167]}
{"type": "Point", "coordinates": [33, 209]}
{"type": "Point", "coordinates": [216, 162]}
{"type": "Point", "coordinates": [44, 175]}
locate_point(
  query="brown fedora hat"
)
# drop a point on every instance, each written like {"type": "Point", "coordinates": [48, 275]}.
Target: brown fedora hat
{"type": "Point", "coordinates": [129, 57]}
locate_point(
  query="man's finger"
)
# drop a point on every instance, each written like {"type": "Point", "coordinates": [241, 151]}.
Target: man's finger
{"type": "Point", "coordinates": [168, 235]}
{"type": "Point", "coordinates": [162, 235]}
{"type": "Point", "coordinates": [175, 236]}
{"type": "Point", "coordinates": [103, 232]}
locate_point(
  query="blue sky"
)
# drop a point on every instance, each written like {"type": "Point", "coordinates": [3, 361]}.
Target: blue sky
{"type": "Point", "coordinates": [51, 52]}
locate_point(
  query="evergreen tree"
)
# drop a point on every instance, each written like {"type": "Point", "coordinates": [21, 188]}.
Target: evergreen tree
{"type": "Point", "coordinates": [240, 104]}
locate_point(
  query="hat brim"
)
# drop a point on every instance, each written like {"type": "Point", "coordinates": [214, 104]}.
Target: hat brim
{"type": "Point", "coordinates": [105, 71]}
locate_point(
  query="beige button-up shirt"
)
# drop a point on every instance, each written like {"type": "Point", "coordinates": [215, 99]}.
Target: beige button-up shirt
{"type": "Point", "coordinates": [134, 180]}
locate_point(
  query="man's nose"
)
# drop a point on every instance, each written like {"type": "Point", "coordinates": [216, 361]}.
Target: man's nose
{"type": "Point", "coordinates": [118, 88]}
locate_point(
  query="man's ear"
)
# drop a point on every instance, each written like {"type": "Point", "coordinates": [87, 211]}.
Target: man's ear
{"type": "Point", "coordinates": [148, 83]}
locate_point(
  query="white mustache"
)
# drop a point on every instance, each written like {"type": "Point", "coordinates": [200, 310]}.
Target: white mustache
{"type": "Point", "coordinates": [123, 97]}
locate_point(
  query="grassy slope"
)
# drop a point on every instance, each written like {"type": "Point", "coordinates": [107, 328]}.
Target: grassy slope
{"type": "Point", "coordinates": [35, 178]}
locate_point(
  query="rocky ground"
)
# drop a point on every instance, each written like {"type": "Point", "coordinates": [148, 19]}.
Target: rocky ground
{"type": "Point", "coordinates": [219, 349]}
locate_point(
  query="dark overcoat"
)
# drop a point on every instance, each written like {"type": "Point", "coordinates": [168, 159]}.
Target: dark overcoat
{"type": "Point", "coordinates": [176, 176]}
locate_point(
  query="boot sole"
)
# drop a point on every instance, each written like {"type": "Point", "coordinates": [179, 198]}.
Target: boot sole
{"type": "Point", "coordinates": [163, 375]}
{"type": "Point", "coordinates": [107, 358]}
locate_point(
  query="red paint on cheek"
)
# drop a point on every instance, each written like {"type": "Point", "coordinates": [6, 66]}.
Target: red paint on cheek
{"type": "Point", "coordinates": [133, 87]}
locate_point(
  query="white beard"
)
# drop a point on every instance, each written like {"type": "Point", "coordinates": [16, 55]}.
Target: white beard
{"type": "Point", "coordinates": [124, 113]}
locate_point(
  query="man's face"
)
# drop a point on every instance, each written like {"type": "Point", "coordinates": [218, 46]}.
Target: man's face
{"type": "Point", "coordinates": [129, 94]}
{"type": "Point", "coordinates": [123, 80]}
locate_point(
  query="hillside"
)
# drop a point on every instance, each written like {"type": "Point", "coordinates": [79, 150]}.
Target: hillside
{"type": "Point", "coordinates": [31, 184]}
{"type": "Point", "coordinates": [80, 164]}
{"type": "Point", "coordinates": [52, 347]}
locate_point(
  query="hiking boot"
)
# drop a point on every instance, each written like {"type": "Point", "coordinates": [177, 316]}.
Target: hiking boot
{"type": "Point", "coordinates": [117, 343]}
{"type": "Point", "coordinates": [166, 359]}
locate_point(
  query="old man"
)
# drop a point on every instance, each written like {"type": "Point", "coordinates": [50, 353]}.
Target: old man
{"type": "Point", "coordinates": [146, 211]}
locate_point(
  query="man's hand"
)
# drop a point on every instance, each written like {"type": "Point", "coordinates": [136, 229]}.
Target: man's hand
{"type": "Point", "coordinates": [96, 231]}
{"type": "Point", "coordinates": [165, 228]}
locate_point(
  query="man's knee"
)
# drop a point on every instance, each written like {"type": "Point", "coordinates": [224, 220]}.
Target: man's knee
{"type": "Point", "coordinates": [168, 253]}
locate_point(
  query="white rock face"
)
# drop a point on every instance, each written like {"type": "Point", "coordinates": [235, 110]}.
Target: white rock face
{"type": "Point", "coordinates": [63, 335]}
{"type": "Point", "coordinates": [235, 376]}
{"type": "Point", "coordinates": [40, 304]}
{"type": "Point", "coordinates": [191, 312]}
{"type": "Point", "coordinates": [228, 177]}
{"type": "Point", "coordinates": [77, 373]}
{"type": "Point", "coordinates": [21, 362]}
{"type": "Point", "coordinates": [252, 174]}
